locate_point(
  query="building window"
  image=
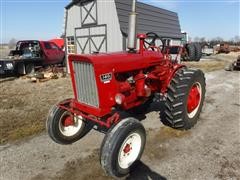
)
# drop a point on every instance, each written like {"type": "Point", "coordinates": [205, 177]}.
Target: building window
{"type": "Point", "coordinates": [71, 45]}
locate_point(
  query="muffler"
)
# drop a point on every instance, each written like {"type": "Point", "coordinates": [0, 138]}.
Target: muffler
{"type": "Point", "coordinates": [132, 27]}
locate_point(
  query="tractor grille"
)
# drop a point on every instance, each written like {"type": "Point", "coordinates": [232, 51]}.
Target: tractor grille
{"type": "Point", "coordinates": [87, 92]}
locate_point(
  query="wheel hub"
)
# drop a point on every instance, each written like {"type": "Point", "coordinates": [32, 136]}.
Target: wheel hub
{"type": "Point", "coordinates": [127, 148]}
{"type": "Point", "coordinates": [69, 124]}
{"type": "Point", "coordinates": [193, 99]}
{"type": "Point", "coordinates": [68, 121]}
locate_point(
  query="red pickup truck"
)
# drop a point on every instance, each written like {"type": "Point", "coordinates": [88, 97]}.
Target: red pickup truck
{"type": "Point", "coordinates": [30, 54]}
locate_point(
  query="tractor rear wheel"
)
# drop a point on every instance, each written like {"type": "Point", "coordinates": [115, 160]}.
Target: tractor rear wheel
{"type": "Point", "coordinates": [191, 50]}
{"type": "Point", "coordinates": [198, 51]}
{"type": "Point", "coordinates": [185, 97]}
{"type": "Point", "coordinates": [122, 146]}
{"type": "Point", "coordinates": [64, 127]}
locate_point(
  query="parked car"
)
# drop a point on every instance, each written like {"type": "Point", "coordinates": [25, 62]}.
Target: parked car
{"type": "Point", "coordinates": [29, 54]}
{"type": "Point", "coordinates": [207, 49]}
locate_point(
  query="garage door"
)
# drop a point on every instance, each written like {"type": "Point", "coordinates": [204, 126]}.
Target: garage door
{"type": "Point", "coordinates": [91, 39]}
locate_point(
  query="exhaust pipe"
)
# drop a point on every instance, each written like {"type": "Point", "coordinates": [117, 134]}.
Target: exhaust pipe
{"type": "Point", "coordinates": [132, 28]}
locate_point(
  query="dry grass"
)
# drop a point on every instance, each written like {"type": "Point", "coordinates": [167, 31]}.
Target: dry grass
{"type": "Point", "coordinates": [215, 62]}
{"type": "Point", "coordinates": [24, 131]}
{"type": "Point", "coordinates": [4, 51]}
{"type": "Point", "coordinates": [207, 66]}
{"type": "Point", "coordinates": [24, 106]}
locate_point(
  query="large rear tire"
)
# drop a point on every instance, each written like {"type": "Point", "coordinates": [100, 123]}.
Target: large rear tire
{"type": "Point", "coordinates": [191, 52]}
{"type": "Point", "coordinates": [64, 127]}
{"type": "Point", "coordinates": [122, 146]}
{"type": "Point", "coordinates": [198, 51]}
{"type": "Point", "coordinates": [185, 97]}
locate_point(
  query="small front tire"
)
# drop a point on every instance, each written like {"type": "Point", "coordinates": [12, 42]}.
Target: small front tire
{"type": "Point", "coordinates": [64, 127]}
{"type": "Point", "coordinates": [122, 146]}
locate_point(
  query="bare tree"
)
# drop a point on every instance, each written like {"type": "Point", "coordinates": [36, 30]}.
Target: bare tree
{"type": "Point", "coordinates": [202, 39]}
{"type": "Point", "coordinates": [218, 39]}
{"type": "Point", "coordinates": [12, 43]}
{"type": "Point", "coordinates": [196, 39]}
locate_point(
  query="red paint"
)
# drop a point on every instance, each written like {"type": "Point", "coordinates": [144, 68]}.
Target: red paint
{"type": "Point", "coordinates": [59, 42]}
{"type": "Point", "coordinates": [142, 37]}
{"type": "Point", "coordinates": [127, 148]}
{"type": "Point", "coordinates": [193, 99]}
{"type": "Point", "coordinates": [140, 84]}
{"type": "Point", "coordinates": [69, 106]}
{"type": "Point", "coordinates": [67, 121]}
{"type": "Point", "coordinates": [49, 56]}
{"type": "Point", "coordinates": [151, 72]}
{"type": "Point", "coordinates": [52, 55]}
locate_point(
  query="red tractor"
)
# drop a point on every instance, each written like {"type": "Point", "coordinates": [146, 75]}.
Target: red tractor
{"type": "Point", "coordinates": [108, 88]}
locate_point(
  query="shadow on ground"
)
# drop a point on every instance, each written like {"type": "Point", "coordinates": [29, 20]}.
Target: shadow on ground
{"type": "Point", "coordinates": [4, 78]}
{"type": "Point", "coordinates": [143, 172]}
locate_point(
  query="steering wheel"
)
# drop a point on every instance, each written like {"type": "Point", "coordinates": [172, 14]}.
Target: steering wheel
{"type": "Point", "coordinates": [152, 44]}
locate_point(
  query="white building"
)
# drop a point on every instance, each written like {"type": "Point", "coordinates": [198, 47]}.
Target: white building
{"type": "Point", "coordinates": [102, 25]}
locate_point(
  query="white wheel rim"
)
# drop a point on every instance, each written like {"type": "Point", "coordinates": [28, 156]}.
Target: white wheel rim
{"type": "Point", "coordinates": [127, 158]}
{"type": "Point", "coordinates": [71, 130]}
{"type": "Point", "coordinates": [194, 112]}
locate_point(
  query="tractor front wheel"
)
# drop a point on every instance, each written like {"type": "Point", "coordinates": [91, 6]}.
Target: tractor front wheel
{"type": "Point", "coordinates": [64, 127]}
{"type": "Point", "coordinates": [185, 97]}
{"type": "Point", "coordinates": [122, 146]}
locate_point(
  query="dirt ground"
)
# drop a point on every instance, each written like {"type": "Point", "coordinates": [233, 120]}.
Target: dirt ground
{"type": "Point", "coordinates": [24, 105]}
{"type": "Point", "coordinates": [209, 151]}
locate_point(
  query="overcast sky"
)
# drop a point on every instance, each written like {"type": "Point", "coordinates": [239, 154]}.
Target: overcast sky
{"type": "Point", "coordinates": [43, 19]}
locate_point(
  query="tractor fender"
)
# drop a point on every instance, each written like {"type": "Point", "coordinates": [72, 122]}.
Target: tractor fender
{"type": "Point", "coordinates": [176, 67]}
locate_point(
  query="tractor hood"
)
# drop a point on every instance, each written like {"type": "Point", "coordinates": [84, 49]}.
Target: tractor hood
{"type": "Point", "coordinates": [121, 61]}
{"type": "Point", "coordinates": [105, 66]}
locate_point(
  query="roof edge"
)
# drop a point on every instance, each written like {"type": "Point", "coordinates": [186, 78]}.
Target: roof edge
{"type": "Point", "coordinates": [75, 2]}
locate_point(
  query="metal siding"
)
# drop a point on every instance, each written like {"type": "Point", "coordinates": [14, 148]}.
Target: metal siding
{"type": "Point", "coordinates": [107, 14]}
{"type": "Point", "coordinates": [115, 14]}
{"type": "Point", "coordinates": [150, 19]}
{"type": "Point", "coordinates": [73, 20]}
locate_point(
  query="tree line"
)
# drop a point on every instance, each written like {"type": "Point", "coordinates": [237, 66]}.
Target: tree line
{"type": "Point", "coordinates": [218, 40]}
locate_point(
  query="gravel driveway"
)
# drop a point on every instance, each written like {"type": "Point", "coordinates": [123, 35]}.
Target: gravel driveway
{"type": "Point", "coordinates": [211, 150]}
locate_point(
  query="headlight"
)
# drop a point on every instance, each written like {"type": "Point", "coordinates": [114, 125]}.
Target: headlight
{"type": "Point", "coordinates": [9, 66]}
{"type": "Point", "coordinates": [119, 99]}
